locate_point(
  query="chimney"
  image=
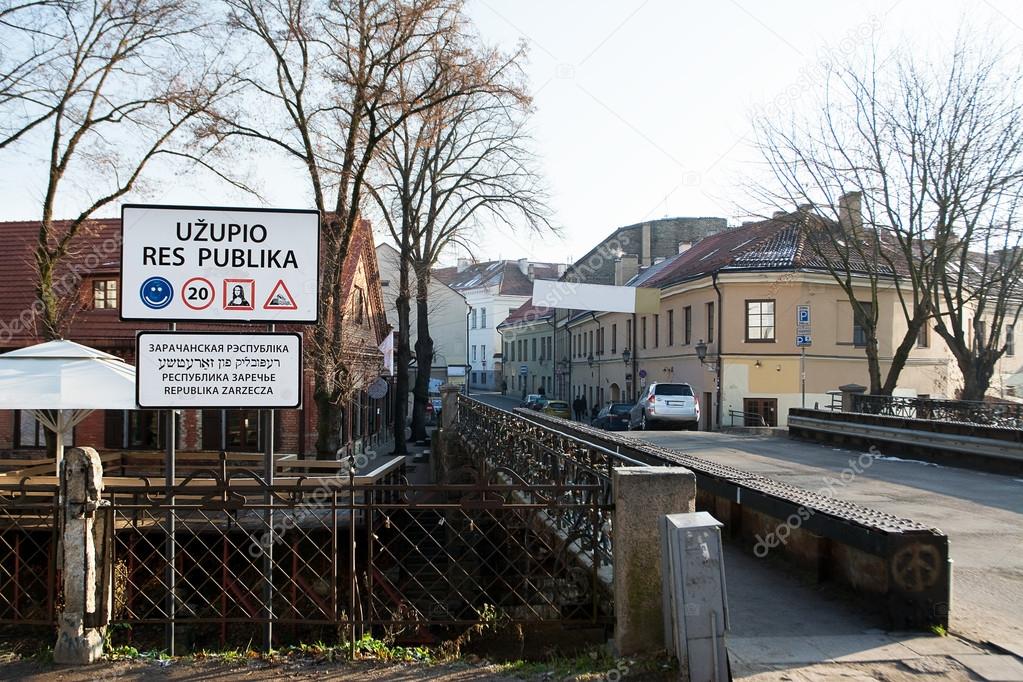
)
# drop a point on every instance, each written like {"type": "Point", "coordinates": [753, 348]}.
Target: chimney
{"type": "Point", "coordinates": [684, 246]}
{"type": "Point", "coordinates": [626, 267]}
{"type": "Point", "coordinates": [562, 269]}
{"type": "Point", "coordinates": [524, 266]}
{"type": "Point", "coordinates": [850, 212]}
{"type": "Point", "coordinates": [531, 273]}
{"type": "Point", "coordinates": [463, 264]}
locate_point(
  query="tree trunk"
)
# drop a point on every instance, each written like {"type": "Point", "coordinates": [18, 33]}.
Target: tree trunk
{"type": "Point", "coordinates": [424, 360]}
{"type": "Point", "coordinates": [402, 359]}
{"type": "Point", "coordinates": [328, 423]}
{"type": "Point", "coordinates": [977, 372]}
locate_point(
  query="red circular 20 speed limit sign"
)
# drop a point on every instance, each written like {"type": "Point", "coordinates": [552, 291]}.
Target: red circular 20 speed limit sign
{"type": "Point", "coordinates": [198, 293]}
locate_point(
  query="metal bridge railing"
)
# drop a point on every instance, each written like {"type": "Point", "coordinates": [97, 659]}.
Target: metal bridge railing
{"type": "Point", "coordinates": [1005, 415]}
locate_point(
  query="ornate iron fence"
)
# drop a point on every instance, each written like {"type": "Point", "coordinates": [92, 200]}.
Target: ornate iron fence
{"type": "Point", "coordinates": [316, 561]}
{"type": "Point", "coordinates": [1006, 415]}
{"type": "Point", "coordinates": [28, 555]}
{"type": "Point", "coordinates": [541, 454]}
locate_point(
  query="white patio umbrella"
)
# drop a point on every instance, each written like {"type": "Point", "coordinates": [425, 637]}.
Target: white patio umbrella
{"type": "Point", "coordinates": [61, 382]}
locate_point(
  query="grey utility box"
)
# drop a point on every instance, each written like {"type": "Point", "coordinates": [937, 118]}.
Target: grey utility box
{"type": "Point", "coordinates": [695, 600]}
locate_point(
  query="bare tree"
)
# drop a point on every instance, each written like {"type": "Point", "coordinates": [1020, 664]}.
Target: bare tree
{"type": "Point", "coordinates": [329, 84]}
{"type": "Point", "coordinates": [104, 88]}
{"type": "Point", "coordinates": [460, 165]}
{"type": "Point", "coordinates": [911, 166]}
{"type": "Point", "coordinates": [973, 148]}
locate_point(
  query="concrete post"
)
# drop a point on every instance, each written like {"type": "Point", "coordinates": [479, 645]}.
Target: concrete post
{"type": "Point", "coordinates": [86, 603]}
{"type": "Point", "coordinates": [849, 391]}
{"type": "Point", "coordinates": [642, 496]}
{"type": "Point", "coordinates": [449, 405]}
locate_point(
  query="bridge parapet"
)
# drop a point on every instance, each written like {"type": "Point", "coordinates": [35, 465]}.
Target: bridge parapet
{"type": "Point", "coordinates": [902, 563]}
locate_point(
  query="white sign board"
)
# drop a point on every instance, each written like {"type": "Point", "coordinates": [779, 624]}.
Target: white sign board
{"type": "Point", "coordinates": [599, 297]}
{"type": "Point", "coordinates": [200, 370]}
{"type": "Point", "coordinates": [219, 264]}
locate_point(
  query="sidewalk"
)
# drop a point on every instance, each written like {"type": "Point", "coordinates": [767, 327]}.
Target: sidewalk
{"type": "Point", "coordinates": [782, 629]}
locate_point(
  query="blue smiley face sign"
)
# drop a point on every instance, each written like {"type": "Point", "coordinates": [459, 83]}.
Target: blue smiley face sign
{"type": "Point", "coordinates": [156, 293]}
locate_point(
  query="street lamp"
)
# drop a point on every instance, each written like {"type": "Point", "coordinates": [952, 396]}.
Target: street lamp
{"type": "Point", "coordinates": [701, 351]}
{"type": "Point", "coordinates": [626, 356]}
{"type": "Point", "coordinates": [589, 359]}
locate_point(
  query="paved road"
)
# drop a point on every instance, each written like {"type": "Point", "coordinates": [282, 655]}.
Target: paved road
{"type": "Point", "coordinates": [981, 513]}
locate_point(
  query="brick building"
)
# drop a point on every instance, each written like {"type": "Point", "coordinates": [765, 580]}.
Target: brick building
{"type": "Point", "coordinates": [90, 288]}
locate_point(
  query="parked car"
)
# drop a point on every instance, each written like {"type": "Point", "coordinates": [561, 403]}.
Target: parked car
{"type": "Point", "coordinates": [530, 400]}
{"type": "Point", "coordinates": [557, 408]}
{"type": "Point", "coordinates": [613, 417]}
{"type": "Point", "coordinates": [666, 403]}
{"type": "Point", "coordinates": [436, 403]}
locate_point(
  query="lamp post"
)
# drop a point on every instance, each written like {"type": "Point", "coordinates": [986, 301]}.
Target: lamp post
{"type": "Point", "coordinates": [701, 351]}
{"type": "Point", "coordinates": [627, 356]}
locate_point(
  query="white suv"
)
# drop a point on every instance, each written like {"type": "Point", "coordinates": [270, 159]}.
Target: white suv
{"type": "Point", "coordinates": [666, 403]}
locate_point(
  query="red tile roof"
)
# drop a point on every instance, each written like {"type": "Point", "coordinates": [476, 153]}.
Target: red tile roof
{"type": "Point", "coordinates": [792, 241]}
{"type": "Point", "coordinates": [527, 312]}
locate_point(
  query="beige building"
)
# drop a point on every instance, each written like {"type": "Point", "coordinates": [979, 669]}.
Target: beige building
{"type": "Point", "coordinates": [528, 350]}
{"type": "Point", "coordinates": [733, 297]}
{"type": "Point", "coordinates": [447, 312]}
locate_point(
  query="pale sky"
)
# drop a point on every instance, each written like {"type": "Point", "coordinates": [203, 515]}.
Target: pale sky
{"type": "Point", "coordinates": [642, 106]}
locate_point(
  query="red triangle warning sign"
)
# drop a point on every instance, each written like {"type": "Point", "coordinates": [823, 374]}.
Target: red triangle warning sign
{"type": "Point", "coordinates": [280, 298]}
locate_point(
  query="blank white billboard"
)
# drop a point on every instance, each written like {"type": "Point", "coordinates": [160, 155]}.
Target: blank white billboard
{"type": "Point", "coordinates": [598, 297]}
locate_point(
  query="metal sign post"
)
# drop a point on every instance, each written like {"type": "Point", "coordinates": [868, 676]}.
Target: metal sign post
{"type": "Point", "coordinates": [169, 472]}
{"type": "Point", "coordinates": [268, 547]}
{"type": "Point", "coordinates": [803, 339]}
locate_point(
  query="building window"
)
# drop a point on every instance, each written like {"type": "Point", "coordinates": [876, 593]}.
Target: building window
{"type": "Point", "coordinates": [642, 322]}
{"type": "Point", "coordinates": [671, 327]}
{"type": "Point", "coordinates": [657, 330]}
{"type": "Point", "coordinates": [923, 337]}
{"type": "Point", "coordinates": [474, 353]}
{"type": "Point", "coordinates": [589, 344]}
{"type": "Point", "coordinates": [29, 433]}
{"type": "Point", "coordinates": [474, 312]}
{"type": "Point", "coordinates": [614, 339]}
{"type": "Point", "coordinates": [535, 356]}
{"type": "Point", "coordinates": [104, 294]}
{"type": "Point", "coordinates": [860, 325]}
{"type": "Point", "coordinates": [143, 430]}
{"type": "Point", "coordinates": [759, 320]}
{"type": "Point", "coordinates": [630, 342]}
{"type": "Point", "coordinates": [1010, 341]}
{"type": "Point", "coordinates": [483, 318]}
{"type": "Point", "coordinates": [687, 325]}
{"type": "Point", "coordinates": [600, 341]}
{"type": "Point", "coordinates": [710, 322]}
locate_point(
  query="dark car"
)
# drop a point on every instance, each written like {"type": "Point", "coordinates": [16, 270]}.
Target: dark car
{"type": "Point", "coordinates": [613, 417]}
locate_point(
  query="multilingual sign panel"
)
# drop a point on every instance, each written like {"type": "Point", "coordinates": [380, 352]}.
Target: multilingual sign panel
{"type": "Point", "coordinates": [218, 370]}
{"type": "Point", "coordinates": [219, 264]}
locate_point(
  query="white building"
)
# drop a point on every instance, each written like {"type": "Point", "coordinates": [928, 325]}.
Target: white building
{"type": "Point", "coordinates": [492, 289]}
{"type": "Point", "coordinates": [447, 312]}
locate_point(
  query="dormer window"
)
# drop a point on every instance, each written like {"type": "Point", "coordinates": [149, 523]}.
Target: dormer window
{"type": "Point", "coordinates": [104, 294]}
